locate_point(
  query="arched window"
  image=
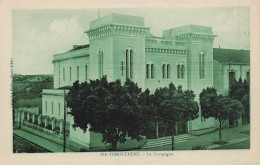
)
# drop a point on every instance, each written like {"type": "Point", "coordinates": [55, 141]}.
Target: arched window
{"type": "Point", "coordinates": [100, 63]}
{"type": "Point", "coordinates": [180, 71]}
{"type": "Point", "coordinates": [129, 63]}
{"type": "Point", "coordinates": [163, 71]}
{"type": "Point", "coordinates": [150, 70]}
{"type": "Point", "coordinates": [167, 70]}
{"type": "Point", "coordinates": [147, 71]}
{"type": "Point", "coordinates": [202, 65]}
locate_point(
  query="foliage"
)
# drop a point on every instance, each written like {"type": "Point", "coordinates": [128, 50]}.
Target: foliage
{"type": "Point", "coordinates": [109, 107]}
{"type": "Point", "coordinates": [219, 107]}
{"type": "Point", "coordinates": [175, 105]}
{"type": "Point", "coordinates": [199, 147]}
{"type": "Point", "coordinates": [240, 91]}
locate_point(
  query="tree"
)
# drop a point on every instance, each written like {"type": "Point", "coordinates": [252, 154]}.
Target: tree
{"type": "Point", "coordinates": [109, 107]}
{"type": "Point", "coordinates": [240, 91]}
{"type": "Point", "coordinates": [175, 105]}
{"type": "Point", "coordinates": [219, 107]}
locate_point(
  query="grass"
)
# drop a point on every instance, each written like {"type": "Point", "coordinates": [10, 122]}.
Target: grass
{"type": "Point", "coordinates": [242, 145]}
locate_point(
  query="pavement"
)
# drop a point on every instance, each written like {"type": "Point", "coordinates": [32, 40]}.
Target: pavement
{"type": "Point", "coordinates": [49, 145]}
{"type": "Point", "coordinates": [229, 135]}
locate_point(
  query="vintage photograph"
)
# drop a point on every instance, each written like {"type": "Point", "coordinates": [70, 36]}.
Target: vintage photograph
{"type": "Point", "coordinates": [130, 79]}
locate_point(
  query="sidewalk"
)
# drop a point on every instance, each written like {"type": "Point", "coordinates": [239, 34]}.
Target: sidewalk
{"type": "Point", "coordinates": [229, 135]}
{"type": "Point", "coordinates": [49, 145]}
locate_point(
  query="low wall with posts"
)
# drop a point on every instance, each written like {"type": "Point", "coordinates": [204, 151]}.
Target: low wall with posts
{"type": "Point", "coordinates": [46, 127]}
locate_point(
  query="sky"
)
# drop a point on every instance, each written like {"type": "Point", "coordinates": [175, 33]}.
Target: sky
{"type": "Point", "coordinates": [39, 34]}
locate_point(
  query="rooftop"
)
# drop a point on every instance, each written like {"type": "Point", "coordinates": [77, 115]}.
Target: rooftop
{"type": "Point", "coordinates": [231, 55]}
{"type": "Point", "coordinates": [117, 19]}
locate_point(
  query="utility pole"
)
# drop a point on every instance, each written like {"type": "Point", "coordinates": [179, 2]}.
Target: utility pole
{"type": "Point", "coordinates": [64, 126]}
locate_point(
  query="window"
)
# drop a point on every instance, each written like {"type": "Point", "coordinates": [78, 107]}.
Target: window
{"type": "Point", "coordinates": [248, 76]}
{"type": "Point", "coordinates": [147, 71]}
{"type": "Point", "coordinates": [59, 108]}
{"type": "Point", "coordinates": [202, 65]}
{"type": "Point", "coordinates": [163, 71]}
{"type": "Point", "coordinates": [51, 107]}
{"type": "Point", "coordinates": [100, 63]}
{"type": "Point", "coordinates": [46, 107]}
{"type": "Point", "coordinates": [77, 72]}
{"type": "Point", "coordinates": [70, 73]}
{"type": "Point", "coordinates": [86, 72]}
{"type": "Point", "coordinates": [63, 74]}
{"type": "Point", "coordinates": [129, 63]}
{"type": "Point", "coordinates": [231, 78]}
{"type": "Point", "coordinates": [167, 71]}
{"type": "Point", "coordinates": [152, 71]}
{"type": "Point", "coordinates": [180, 71]}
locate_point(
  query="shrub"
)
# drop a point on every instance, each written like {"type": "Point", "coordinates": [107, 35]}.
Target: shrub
{"type": "Point", "coordinates": [199, 147]}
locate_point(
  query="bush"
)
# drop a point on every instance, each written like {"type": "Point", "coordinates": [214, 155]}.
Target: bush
{"type": "Point", "coordinates": [199, 147]}
{"type": "Point", "coordinates": [83, 150]}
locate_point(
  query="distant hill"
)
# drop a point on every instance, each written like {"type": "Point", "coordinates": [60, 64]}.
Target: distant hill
{"type": "Point", "coordinates": [20, 77]}
{"type": "Point", "coordinates": [27, 89]}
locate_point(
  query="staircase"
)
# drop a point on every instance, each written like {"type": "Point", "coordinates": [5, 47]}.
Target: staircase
{"type": "Point", "coordinates": [152, 143]}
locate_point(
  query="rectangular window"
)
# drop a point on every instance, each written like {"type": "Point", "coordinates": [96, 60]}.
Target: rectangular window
{"type": "Point", "coordinates": [248, 76]}
{"type": "Point", "coordinates": [52, 108]}
{"type": "Point", "coordinates": [127, 64]}
{"type": "Point", "coordinates": [70, 73]}
{"type": "Point", "coordinates": [77, 72]}
{"type": "Point", "coordinates": [231, 78]}
{"type": "Point", "coordinates": [63, 74]}
{"type": "Point", "coordinates": [131, 63]}
{"type": "Point", "coordinates": [86, 72]}
{"type": "Point", "coordinates": [59, 108]}
{"type": "Point", "coordinates": [46, 107]}
{"type": "Point", "coordinates": [178, 71]}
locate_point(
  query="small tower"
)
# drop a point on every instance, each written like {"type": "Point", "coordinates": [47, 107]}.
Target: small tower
{"type": "Point", "coordinates": [117, 48]}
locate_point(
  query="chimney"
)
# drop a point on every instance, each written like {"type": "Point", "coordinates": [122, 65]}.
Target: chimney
{"type": "Point", "coordinates": [219, 49]}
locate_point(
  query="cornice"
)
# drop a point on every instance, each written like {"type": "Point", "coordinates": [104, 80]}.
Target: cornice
{"type": "Point", "coordinates": [166, 51]}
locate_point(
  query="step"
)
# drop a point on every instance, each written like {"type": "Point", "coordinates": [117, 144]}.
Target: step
{"type": "Point", "coordinates": [165, 139]}
{"type": "Point", "coordinates": [168, 141]}
{"type": "Point", "coordinates": [176, 140]}
{"type": "Point", "coordinates": [163, 144]}
{"type": "Point", "coordinates": [169, 137]}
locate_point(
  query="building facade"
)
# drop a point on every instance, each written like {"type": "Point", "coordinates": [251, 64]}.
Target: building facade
{"type": "Point", "coordinates": [121, 47]}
